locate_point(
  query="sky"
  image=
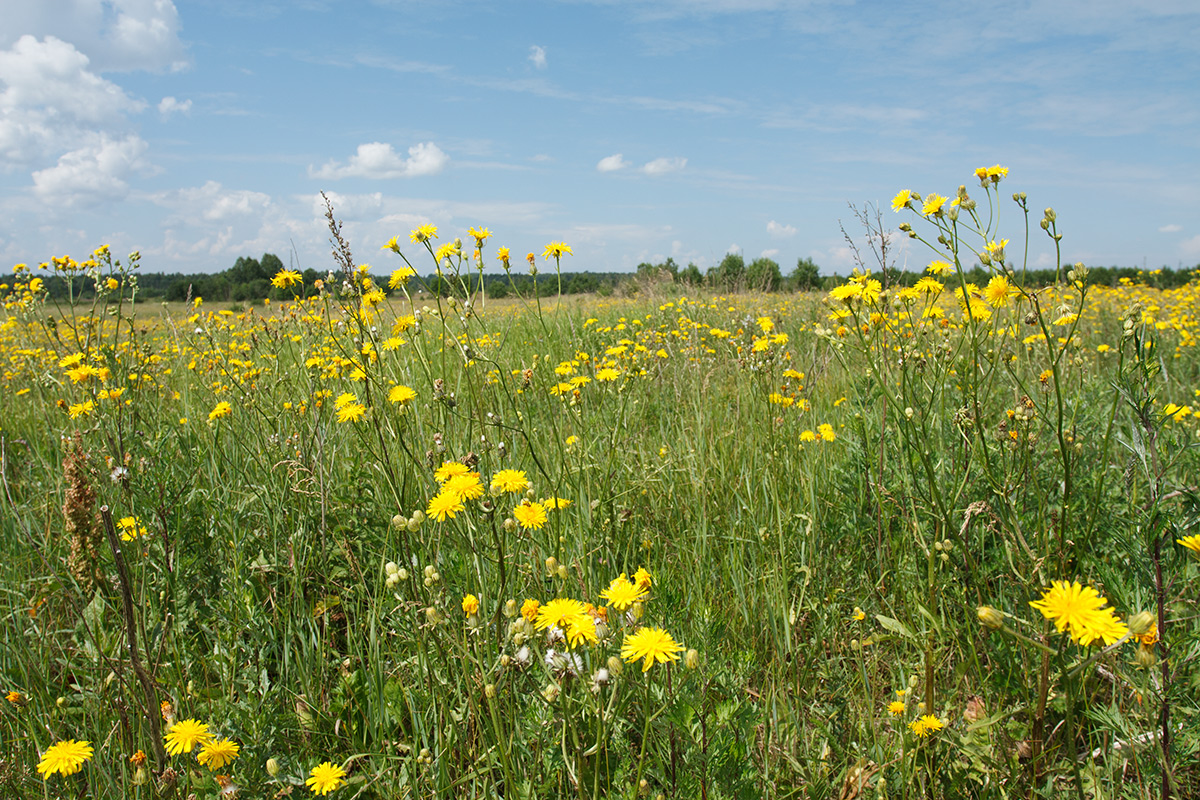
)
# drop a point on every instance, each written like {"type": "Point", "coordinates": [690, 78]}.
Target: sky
{"type": "Point", "coordinates": [200, 131]}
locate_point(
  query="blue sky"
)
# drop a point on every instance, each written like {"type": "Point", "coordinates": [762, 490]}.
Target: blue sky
{"type": "Point", "coordinates": [197, 132]}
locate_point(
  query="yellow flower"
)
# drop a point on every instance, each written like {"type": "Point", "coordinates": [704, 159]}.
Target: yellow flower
{"type": "Point", "coordinates": [502, 256]}
{"type": "Point", "coordinates": [217, 753]}
{"type": "Point", "coordinates": [286, 279]}
{"type": "Point", "coordinates": [996, 173]}
{"type": "Point", "coordinates": [510, 481]}
{"type": "Point", "coordinates": [448, 250]}
{"type": "Point", "coordinates": [642, 578]}
{"type": "Point", "coordinates": [896, 708]}
{"type": "Point", "coordinates": [183, 736]}
{"type": "Point", "coordinates": [112, 284]}
{"type": "Point", "coordinates": [470, 605]}
{"type": "Point", "coordinates": [530, 515]}
{"type": "Point", "coordinates": [222, 409]}
{"type": "Point", "coordinates": [65, 758]}
{"type": "Point", "coordinates": [480, 235]}
{"type": "Point", "coordinates": [933, 205]}
{"type": "Point", "coordinates": [1191, 543]}
{"type": "Point", "coordinates": [326, 777]}
{"type": "Point", "coordinates": [581, 628]}
{"type": "Point", "coordinates": [351, 412]}
{"type": "Point", "coordinates": [1080, 611]}
{"type": "Point", "coordinates": [401, 394]}
{"type": "Point", "coordinates": [391, 244]}
{"type": "Point", "coordinates": [400, 277]}
{"type": "Point", "coordinates": [622, 593]}
{"type": "Point", "coordinates": [450, 469]}
{"type": "Point", "coordinates": [557, 613]}
{"type": "Point", "coordinates": [557, 250]}
{"type": "Point", "coordinates": [939, 267]}
{"type": "Point", "coordinates": [926, 725]}
{"type": "Point", "coordinates": [859, 615]}
{"type": "Point", "coordinates": [529, 610]}
{"type": "Point", "coordinates": [999, 292]}
{"type": "Point", "coordinates": [464, 487]}
{"type": "Point", "coordinates": [444, 505]}
{"type": "Point", "coordinates": [654, 645]}
{"type": "Point", "coordinates": [83, 409]}
{"type": "Point", "coordinates": [423, 233]}
{"type": "Point", "coordinates": [902, 199]}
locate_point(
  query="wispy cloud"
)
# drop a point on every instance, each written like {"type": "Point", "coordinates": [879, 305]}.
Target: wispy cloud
{"type": "Point", "coordinates": [1170, 228]}
{"type": "Point", "coordinates": [169, 105]}
{"type": "Point", "coordinates": [537, 56]}
{"type": "Point", "coordinates": [662, 166]}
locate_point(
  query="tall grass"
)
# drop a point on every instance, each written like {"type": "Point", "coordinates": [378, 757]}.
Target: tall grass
{"type": "Point", "coordinates": [824, 492]}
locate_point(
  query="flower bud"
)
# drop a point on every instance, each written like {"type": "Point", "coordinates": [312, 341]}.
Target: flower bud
{"type": "Point", "coordinates": [1140, 622]}
{"type": "Point", "coordinates": [1145, 657]}
{"type": "Point", "coordinates": [1050, 215]}
{"type": "Point", "coordinates": [489, 691]}
{"type": "Point", "coordinates": [691, 659]}
{"type": "Point", "coordinates": [399, 521]}
{"type": "Point", "coordinates": [551, 565]}
{"type": "Point", "coordinates": [615, 666]}
{"type": "Point", "coordinates": [510, 608]}
{"type": "Point", "coordinates": [990, 617]}
{"type": "Point", "coordinates": [272, 767]}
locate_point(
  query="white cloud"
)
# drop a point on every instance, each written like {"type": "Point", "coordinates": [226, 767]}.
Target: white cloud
{"type": "Point", "coordinates": [537, 56]}
{"type": "Point", "coordinates": [612, 163]}
{"type": "Point", "coordinates": [52, 102]}
{"type": "Point", "coordinates": [114, 34]}
{"type": "Point", "coordinates": [91, 174]}
{"type": "Point", "coordinates": [380, 160]}
{"type": "Point", "coordinates": [661, 166]}
{"type": "Point", "coordinates": [1170, 229]}
{"type": "Point", "coordinates": [1190, 248]}
{"type": "Point", "coordinates": [734, 248]}
{"type": "Point", "coordinates": [169, 105]}
{"type": "Point", "coordinates": [771, 253]}
{"type": "Point", "coordinates": [780, 231]}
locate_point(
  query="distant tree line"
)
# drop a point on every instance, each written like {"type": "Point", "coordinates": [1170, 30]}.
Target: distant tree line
{"type": "Point", "coordinates": [249, 279]}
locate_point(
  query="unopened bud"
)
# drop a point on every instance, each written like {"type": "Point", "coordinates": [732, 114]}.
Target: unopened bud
{"type": "Point", "coordinates": [691, 659]}
{"type": "Point", "coordinates": [615, 666]}
{"type": "Point", "coordinates": [272, 767]}
{"type": "Point", "coordinates": [1145, 657]}
{"type": "Point", "coordinates": [489, 691]}
{"type": "Point", "coordinates": [990, 617]}
{"type": "Point", "coordinates": [1140, 622]}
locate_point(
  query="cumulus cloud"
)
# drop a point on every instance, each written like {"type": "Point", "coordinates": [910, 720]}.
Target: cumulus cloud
{"type": "Point", "coordinates": [91, 174]}
{"type": "Point", "coordinates": [780, 231]}
{"type": "Point", "coordinates": [612, 163]}
{"type": "Point", "coordinates": [770, 253]}
{"type": "Point", "coordinates": [114, 34]}
{"type": "Point", "coordinates": [1170, 229]}
{"type": "Point", "coordinates": [661, 166]}
{"type": "Point", "coordinates": [169, 105]}
{"type": "Point", "coordinates": [380, 160]}
{"type": "Point", "coordinates": [734, 248]}
{"type": "Point", "coordinates": [537, 56]}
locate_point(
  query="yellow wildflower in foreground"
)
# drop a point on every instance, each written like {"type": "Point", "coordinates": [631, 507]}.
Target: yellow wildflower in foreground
{"type": "Point", "coordinates": [325, 777]}
{"type": "Point", "coordinates": [422, 233]}
{"type": "Point", "coordinates": [401, 394]}
{"type": "Point", "coordinates": [286, 279]}
{"type": "Point", "coordinates": [530, 515]}
{"type": "Point", "coordinates": [223, 409]}
{"type": "Point", "coordinates": [183, 736]}
{"type": "Point", "coordinates": [622, 593]}
{"type": "Point", "coordinates": [444, 505]}
{"type": "Point", "coordinates": [902, 199]}
{"type": "Point", "coordinates": [1080, 611]}
{"type": "Point", "coordinates": [218, 753]}
{"type": "Point", "coordinates": [925, 725]}
{"type": "Point", "coordinates": [559, 613]}
{"type": "Point", "coordinates": [557, 250]}
{"type": "Point", "coordinates": [464, 487]}
{"type": "Point", "coordinates": [1191, 543]}
{"type": "Point", "coordinates": [450, 469]}
{"type": "Point", "coordinates": [652, 644]}
{"type": "Point", "coordinates": [65, 758]}
{"type": "Point", "coordinates": [896, 708]}
{"type": "Point", "coordinates": [529, 609]}
{"type": "Point", "coordinates": [470, 605]}
{"type": "Point", "coordinates": [510, 481]}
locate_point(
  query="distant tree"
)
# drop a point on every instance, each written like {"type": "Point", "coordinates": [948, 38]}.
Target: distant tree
{"type": "Point", "coordinates": [763, 274]}
{"type": "Point", "coordinates": [729, 273]}
{"type": "Point", "coordinates": [806, 275]}
{"type": "Point", "coordinates": [691, 275]}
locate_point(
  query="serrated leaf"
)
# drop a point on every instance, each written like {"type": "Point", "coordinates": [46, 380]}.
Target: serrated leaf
{"type": "Point", "coordinates": [895, 626]}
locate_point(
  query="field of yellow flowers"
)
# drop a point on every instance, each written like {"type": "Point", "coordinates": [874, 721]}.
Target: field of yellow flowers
{"type": "Point", "coordinates": [927, 539]}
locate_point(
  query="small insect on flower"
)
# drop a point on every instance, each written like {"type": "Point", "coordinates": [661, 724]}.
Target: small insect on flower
{"type": "Point", "coordinates": [222, 409]}
{"type": "Point", "coordinates": [325, 777]}
{"type": "Point", "coordinates": [65, 758]}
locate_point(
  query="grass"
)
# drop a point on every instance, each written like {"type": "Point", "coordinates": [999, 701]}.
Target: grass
{"type": "Point", "coordinates": [292, 591]}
